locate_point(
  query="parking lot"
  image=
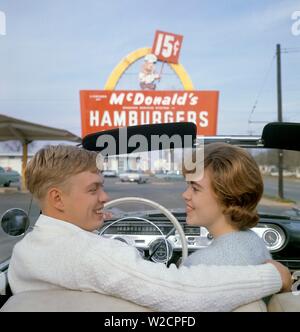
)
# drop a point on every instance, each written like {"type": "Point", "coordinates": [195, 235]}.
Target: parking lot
{"type": "Point", "coordinates": [167, 193]}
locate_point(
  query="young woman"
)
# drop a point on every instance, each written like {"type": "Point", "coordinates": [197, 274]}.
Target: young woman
{"type": "Point", "coordinates": [224, 200]}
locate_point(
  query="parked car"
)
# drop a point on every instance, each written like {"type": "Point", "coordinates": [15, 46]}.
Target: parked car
{"type": "Point", "coordinates": [8, 177]}
{"type": "Point", "coordinates": [284, 173]}
{"type": "Point", "coordinates": [134, 176]}
{"type": "Point", "coordinates": [109, 173]}
{"type": "Point", "coordinates": [170, 176]}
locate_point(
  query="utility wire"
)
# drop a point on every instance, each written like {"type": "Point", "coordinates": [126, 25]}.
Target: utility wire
{"type": "Point", "coordinates": [261, 89]}
{"type": "Point", "coordinates": [291, 50]}
{"type": "Point", "coordinates": [286, 52]}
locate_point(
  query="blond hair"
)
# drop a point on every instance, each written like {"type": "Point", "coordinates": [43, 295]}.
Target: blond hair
{"type": "Point", "coordinates": [236, 181]}
{"type": "Point", "coordinates": [53, 165]}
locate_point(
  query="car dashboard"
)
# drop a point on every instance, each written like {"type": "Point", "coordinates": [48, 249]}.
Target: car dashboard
{"type": "Point", "coordinates": [280, 234]}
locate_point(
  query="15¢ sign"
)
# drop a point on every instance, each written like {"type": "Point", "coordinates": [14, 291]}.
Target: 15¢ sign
{"type": "Point", "coordinates": [167, 46]}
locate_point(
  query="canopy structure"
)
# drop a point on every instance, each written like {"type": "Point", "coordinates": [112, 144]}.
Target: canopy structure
{"type": "Point", "coordinates": [26, 132]}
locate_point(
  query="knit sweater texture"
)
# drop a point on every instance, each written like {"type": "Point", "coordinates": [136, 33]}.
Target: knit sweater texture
{"type": "Point", "coordinates": [235, 248]}
{"type": "Point", "coordinates": [58, 254]}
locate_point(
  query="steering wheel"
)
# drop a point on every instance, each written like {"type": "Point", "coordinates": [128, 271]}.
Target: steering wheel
{"type": "Point", "coordinates": [157, 206]}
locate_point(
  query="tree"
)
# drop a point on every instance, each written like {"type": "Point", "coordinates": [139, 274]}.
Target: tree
{"type": "Point", "coordinates": [291, 159]}
{"type": "Point", "coordinates": [15, 146]}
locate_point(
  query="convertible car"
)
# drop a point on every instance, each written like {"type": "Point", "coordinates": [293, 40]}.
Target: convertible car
{"type": "Point", "coordinates": [158, 229]}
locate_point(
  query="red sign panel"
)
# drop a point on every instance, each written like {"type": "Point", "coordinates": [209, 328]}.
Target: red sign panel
{"type": "Point", "coordinates": [106, 109]}
{"type": "Point", "coordinates": [167, 46]}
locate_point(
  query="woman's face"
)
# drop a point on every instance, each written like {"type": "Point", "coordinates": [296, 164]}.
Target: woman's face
{"type": "Point", "coordinates": [202, 207]}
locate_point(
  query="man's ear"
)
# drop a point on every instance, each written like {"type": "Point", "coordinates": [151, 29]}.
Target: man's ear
{"type": "Point", "coordinates": [56, 199]}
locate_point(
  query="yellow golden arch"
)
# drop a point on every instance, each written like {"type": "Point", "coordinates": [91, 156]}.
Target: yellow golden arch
{"type": "Point", "coordinates": [136, 55]}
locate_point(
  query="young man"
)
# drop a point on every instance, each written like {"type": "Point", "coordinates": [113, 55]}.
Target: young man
{"type": "Point", "coordinates": [63, 252]}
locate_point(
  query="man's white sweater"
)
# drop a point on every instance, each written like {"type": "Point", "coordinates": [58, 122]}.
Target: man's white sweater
{"type": "Point", "coordinates": [58, 254]}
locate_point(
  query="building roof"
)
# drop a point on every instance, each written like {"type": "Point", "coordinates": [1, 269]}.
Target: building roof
{"type": "Point", "coordinates": [15, 129]}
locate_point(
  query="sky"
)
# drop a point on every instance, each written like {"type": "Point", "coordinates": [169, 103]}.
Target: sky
{"type": "Point", "coordinates": [53, 49]}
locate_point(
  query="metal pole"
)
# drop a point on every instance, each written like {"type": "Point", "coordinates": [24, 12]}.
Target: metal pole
{"type": "Point", "coordinates": [24, 163]}
{"type": "Point", "coordinates": [279, 118]}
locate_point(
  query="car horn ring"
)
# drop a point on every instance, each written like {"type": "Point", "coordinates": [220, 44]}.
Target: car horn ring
{"type": "Point", "coordinates": [146, 220]}
{"type": "Point", "coordinates": [159, 207]}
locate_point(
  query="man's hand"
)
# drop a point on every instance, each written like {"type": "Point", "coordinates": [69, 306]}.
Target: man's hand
{"type": "Point", "coordinates": [285, 276]}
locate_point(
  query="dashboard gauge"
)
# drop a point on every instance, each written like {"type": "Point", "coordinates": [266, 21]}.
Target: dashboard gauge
{"type": "Point", "coordinates": [159, 251]}
{"type": "Point", "coordinates": [274, 238]}
{"type": "Point", "coordinates": [271, 238]}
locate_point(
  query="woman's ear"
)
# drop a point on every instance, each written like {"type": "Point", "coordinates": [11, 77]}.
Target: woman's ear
{"type": "Point", "coordinates": [55, 199]}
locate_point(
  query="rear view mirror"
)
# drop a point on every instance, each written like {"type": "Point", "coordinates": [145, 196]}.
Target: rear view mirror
{"type": "Point", "coordinates": [282, 135]}
{"type": "Point", "coordinates": [15, 222]}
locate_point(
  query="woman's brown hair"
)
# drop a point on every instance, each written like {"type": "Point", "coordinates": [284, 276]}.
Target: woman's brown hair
{"type": "Point", "coordinates": [236, 180]}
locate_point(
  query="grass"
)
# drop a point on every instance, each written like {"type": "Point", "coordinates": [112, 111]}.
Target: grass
{"type": "Point", "coordinates": [277, 199]}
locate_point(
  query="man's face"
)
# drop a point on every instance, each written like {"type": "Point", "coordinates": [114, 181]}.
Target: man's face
{"type": "Point", "coordinates": [84, 200]}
